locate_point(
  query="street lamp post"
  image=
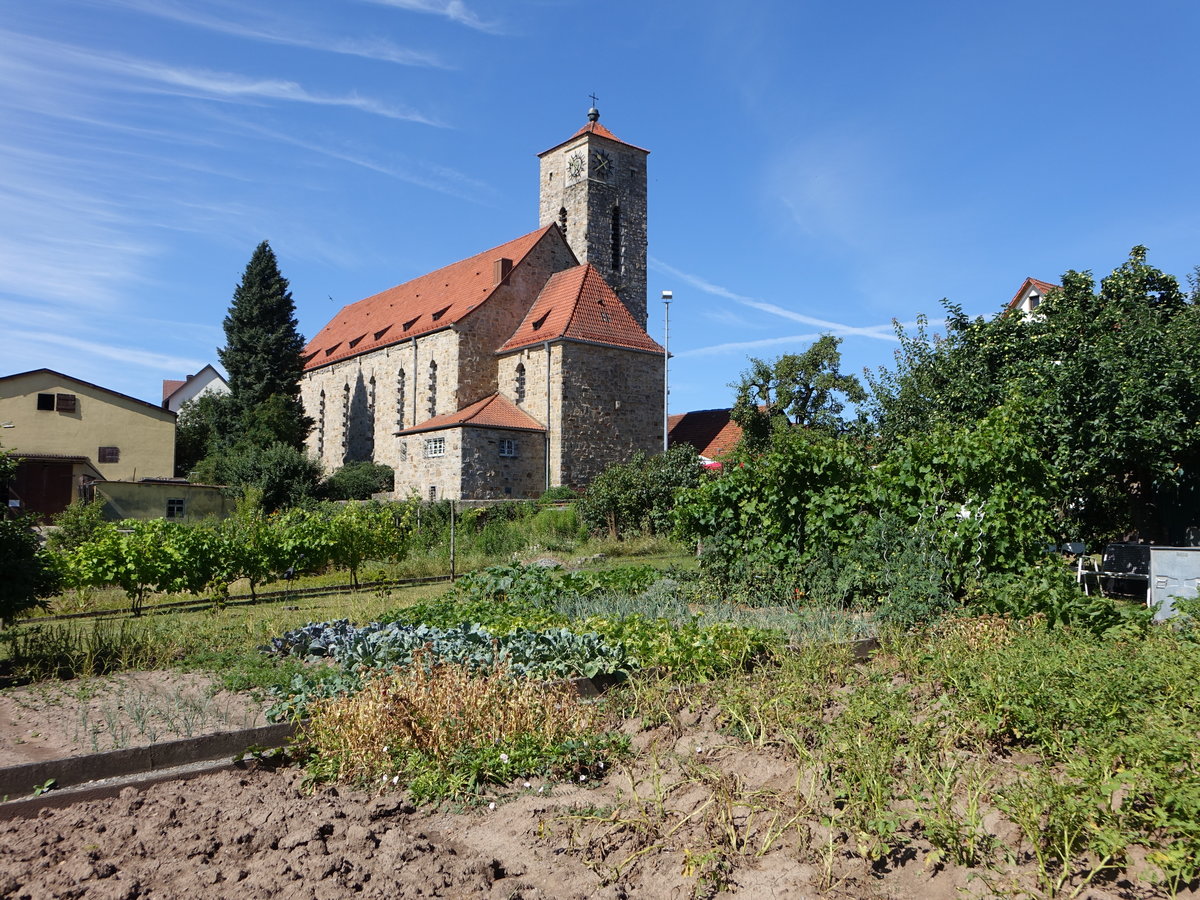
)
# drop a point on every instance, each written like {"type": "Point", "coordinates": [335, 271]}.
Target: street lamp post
{"type": "Point", "coordinates": [667, 297]}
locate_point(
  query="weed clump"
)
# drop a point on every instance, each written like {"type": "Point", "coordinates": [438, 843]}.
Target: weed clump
{"type": "Point", "coordinates": [445, 733]}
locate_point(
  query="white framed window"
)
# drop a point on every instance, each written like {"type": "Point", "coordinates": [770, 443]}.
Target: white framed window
{"type": "Point", "coordinates": [175, 507]}
{"type": "Point", "coordinates": [435, 447]}
{"type": "Point", "coordinates": [508, 447]}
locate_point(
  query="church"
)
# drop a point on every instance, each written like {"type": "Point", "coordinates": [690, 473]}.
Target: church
{"type": "Point", "coordinates": [518, 369]}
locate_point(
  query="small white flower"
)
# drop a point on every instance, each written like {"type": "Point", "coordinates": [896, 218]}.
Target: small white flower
{"type": "Point", "coordinates": [385, 748]}
{"type": "Point", "coordinates": [541, 789]}
{"type": "Point", "coordinates": [601, 765]}
{"type": "Point", "coordinates": [395, 779]}
{"type": "Point", "coordinates": [492, 805]}
{"type": "Point", "coordinates": [583, 778]}
{"type": "Point", "coordinates": [527, 784]}
{"type": "Point", "coordinates": [503, 757]}
{"type": "Point", "coordinates": [698, 750]}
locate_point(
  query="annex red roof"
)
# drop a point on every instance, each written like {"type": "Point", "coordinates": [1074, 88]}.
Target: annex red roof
{"type": "Point", "coordinates": [170, 386]}
{"type": "Point", "coordinates": [577, 304]}
{"type": "Point", "coordinates": [711, 431]}
{"type": "Point", "coordinates": [425, 304]}
{"type": "Point", "coordinates": [494, 411]}
{"type": "Point", "coordinates": [1042, 288]}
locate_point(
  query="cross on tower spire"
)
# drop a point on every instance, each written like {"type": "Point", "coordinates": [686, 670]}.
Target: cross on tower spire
{"type": "Point", "coordinates": [593, 113]}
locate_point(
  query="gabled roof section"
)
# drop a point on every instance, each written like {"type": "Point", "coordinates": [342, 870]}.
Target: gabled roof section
{"type": "Point", "coordinates": [1042, 287]}
{"type": "Point", "coordinates": [171, 386]}
{"type": "Point", "coordinates": [594, 127]}
{"type": "Point", "coordinates": [428, 303]}
{"type": "Point", "coordinates": [495, 411]}
{"type": "Point", "coordinates": [56, 374]}
{"type": "Point", "coordinates": [577, 304]}
{"type": "Point", "coordinates": [711, 431]}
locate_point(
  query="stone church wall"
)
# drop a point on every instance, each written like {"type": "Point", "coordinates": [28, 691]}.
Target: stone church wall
{"type": "Point", "coordinates": [421, 471]}
{"type": "Point", "coordinates": [612, 406]}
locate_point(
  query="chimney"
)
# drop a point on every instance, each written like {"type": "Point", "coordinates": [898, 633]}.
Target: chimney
{"type": "Point", "coordinates": [500, 270]}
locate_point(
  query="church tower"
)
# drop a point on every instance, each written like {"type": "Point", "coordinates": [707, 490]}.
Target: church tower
{"type": "Point", "coordinates": [593, 185]}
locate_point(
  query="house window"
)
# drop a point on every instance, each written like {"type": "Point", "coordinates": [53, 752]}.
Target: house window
{"type": "Point", "coordinates": [520, 386]}
{"type": "Point", "coordinates": [175, 507]}
{"type": "Point", "coordinates": [46, 401]}
{"type": "Point", "coordinates": [562, 220]}
{"type": "Point", "coordinates": [345, 421]}
{"type": "Point", "coordinates": [404, 451]}
{"type": "Point", "coordinates": [64, 402]}
{"type": "Point", "coordinates": [371, 418]}
{"type": "Point", "coordinates": [435, 447]}
{"type": "Point", "coordinates": [321, 426]}
{"type": "Point", "coordinates": [108, 455]}
{"type": "Point", "coordinates": [508, 447]}
{"type": "Point", "coordinates": [432, 493]}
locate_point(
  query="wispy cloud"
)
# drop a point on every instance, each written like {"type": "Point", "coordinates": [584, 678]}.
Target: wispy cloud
{"type": "Point", "coordinates": [454, 10]}
{"type": "Point", "coordinates": [882, 332]}
{"type": "Point", "coordinates": [279, 31]}
{"type": "Point", "coordinates": [147, 75]}
{"type": "Point", "coordinates": [743, 346]}
{"type": "Point", "coordinates": [125, 355]}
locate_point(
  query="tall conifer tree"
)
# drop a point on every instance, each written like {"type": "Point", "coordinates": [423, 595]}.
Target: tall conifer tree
{"type": "Point", "coordinates": [262, 354]}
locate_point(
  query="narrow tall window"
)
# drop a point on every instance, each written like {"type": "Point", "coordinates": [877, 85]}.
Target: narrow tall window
{"type": "Point", "coordinates": [345, 421]}
{"type": "Point", "coordinates": [562, 220]}
{"type": "Point", "coordinates": [321, 427]}
{"type": "Point", "coordinates": [432, 389]}
{"type": "Point", "coordinates": [370, 448]}
{"type": "Point", "coordinates": [400, 379]}
{"type": "Point", "coordinates": [616, 238]}
{"type": "Point", "coordinates": [519, 388]}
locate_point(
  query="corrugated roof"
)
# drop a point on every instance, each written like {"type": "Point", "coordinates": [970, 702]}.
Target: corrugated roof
{"type": "Point", "coordinates": [416, 307]}
{"type": "Point", "coordinates": [494, 411]}
{"type": "Point", "coordinates": [577, 304]}
{"type": "Point", "coordinates": [711, 431]}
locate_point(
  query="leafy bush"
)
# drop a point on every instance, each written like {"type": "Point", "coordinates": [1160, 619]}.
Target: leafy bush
{"type": "Point", "coordinates": [638, 497]}
{"type": "Point", "coordinates": [358, 481]}
{"type": "Point", "coordinates": [75, 525]}
{"type": "Point", "coordinates": [558, 494]}
{"type": "Point", "coordinates": [30, 573]}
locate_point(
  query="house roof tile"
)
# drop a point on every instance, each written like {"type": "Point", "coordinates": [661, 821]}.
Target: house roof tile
{"type": "Point", "coordinates": [577, 304]}
{"type": "Point", "coordinates": [711, 431]}
{"type": "Point", "coordinates": [600, 131]}
{"type": "Point", "coordinates": [1042, 287]}
{"type": "Point", "coordinates": [494, 411]}
{"type": "Point", "coordinates": [170, 386]}
{"type": "Point", "coordinates": [425, 304]}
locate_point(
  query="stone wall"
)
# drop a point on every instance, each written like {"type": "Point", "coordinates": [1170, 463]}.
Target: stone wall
{"type": "Point", "coordinates": [611, 407]}
{"type": "Point", "coordinates": [486, 475]}
{"type": "Point", "coordinates": [417, 473]}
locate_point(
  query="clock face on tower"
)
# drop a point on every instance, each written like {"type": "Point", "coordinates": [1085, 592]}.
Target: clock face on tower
{"type": "Point", "coordinates": [575, 166]}
{"type": "Point", "coordinates": [601, 165]}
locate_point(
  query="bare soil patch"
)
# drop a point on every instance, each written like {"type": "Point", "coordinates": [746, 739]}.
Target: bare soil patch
{"type": "Point", "coordinates": [56, 719]}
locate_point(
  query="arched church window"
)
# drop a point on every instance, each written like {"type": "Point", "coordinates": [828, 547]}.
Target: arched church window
{"type": "Point", "coordinates": [562, 220]}
{"type": "Point", "coordinates": [616, 238]}
{"type": "Point", "coordinates": [345, 420]}
{"type": "Point", "coordinates": [400, 379]}
{"type": "Point", "coordinates": [370, 448]}
{"type": "Point", "coordinates": [321, 426]}
{"type": "Point", "coordinates": [432, 389]}
{"type": "Point", "coordinates": [519, 387]}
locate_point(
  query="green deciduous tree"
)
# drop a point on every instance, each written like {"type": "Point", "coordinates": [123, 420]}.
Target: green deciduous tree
{"type": "Point", "coordinates": [805, 389]}
{"type": "Point", "coordinates": [1112, 379]}
{"type": "Point", "coordinates": [638, 496]}
{"type": "Point", "coordinates": [284, 475]}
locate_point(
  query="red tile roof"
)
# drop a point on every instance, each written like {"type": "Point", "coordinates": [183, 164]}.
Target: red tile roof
{"type": "Point", "coordinates": [494, 411]}
{"type": "Point", "coordinates": [577, 304]}
{"type": "Point", "coordinates": [600, 131]}
{"type": "Point", "coordinates": [425, 304]}
{"type": "Point", "coordinates": [711, 431]}
{"type": "Point", "coordinates": [1042, 288]}
{"type": "Point", "coordinates": [170, 386]}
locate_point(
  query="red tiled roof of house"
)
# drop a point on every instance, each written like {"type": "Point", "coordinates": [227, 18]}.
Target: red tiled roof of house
{"type": "Point", "coordinates": [170, 386]}
{"type": "Point", "coordinates": [711, 431]}
{"type": "Point", "coordinates": [1042, 287]}
{"type": "Point", "coordinates": [494, 411]}
{"type": "Point", "coordinates": [577, 304]}
{"type": "Point", "coordinates": [425, 304]}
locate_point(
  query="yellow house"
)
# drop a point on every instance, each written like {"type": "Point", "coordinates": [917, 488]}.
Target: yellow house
{"type": "Point", "coordinates": [69, 432]}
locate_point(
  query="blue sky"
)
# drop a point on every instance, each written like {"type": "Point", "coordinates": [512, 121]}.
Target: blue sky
{"type": "Point", "coordinates": [815, 167]}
